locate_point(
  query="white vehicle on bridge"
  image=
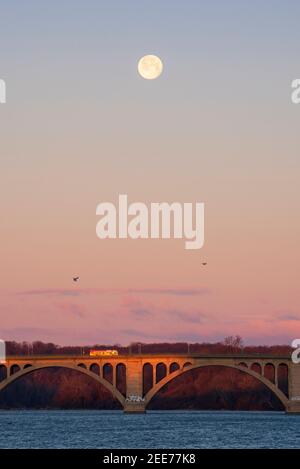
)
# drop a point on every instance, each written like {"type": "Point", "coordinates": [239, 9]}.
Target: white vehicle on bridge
{"type": "Point", "coordinates": [103, 353]}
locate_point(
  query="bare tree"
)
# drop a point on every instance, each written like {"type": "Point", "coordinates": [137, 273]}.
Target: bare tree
{"type": "Point", "coordinates": [234, 343]}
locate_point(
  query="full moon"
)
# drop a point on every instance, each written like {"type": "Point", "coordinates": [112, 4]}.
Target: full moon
{"type": "Point", "coordinates": [150, 67]}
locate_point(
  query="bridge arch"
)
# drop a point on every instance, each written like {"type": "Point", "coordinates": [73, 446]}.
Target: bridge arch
{"type": "Point", "coordinates": [187, 365]}
{"type": "Point", "coordinates": [3, 372]}
{"type": "Point", "coordinates": [108, 371]}
{"type": "Point", "coordinates": [147, 377]}
{"type": "Point", "coordinates": [25, 371]}
{"type": "Point", "coordinates": [283, 378]}
{"type": "Point", "coordinates": [243, 364]}
{"type": "Point", "coordinates": [95, 368]}
{"type": "Point", "coordinates": [121, 378]}
{"type": "Point", "coordinates": [15, 368]}
{"type": "Point", "coordinates": [256, 367]}
{"type": "Point", "coordinates": [170, 377]}
{"type": "Point", "coordinates": [82, 365]}
{"type": "Point", "coordinates": [161, 371]}
{"type": "Point", "coordinates": [174, 367]}
{"type": "Point", "coordinates": [269, 372]}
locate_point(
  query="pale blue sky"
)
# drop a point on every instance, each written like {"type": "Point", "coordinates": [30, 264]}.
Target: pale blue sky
{"type": "Point", "coordinates": [80, 126]}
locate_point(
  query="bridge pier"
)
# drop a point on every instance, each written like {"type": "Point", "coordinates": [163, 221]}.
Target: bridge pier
{"type": "Point", "coordinates": [293, 406]}
{"type": "Point", "coordinates": [134, 388]}
{"type": "Point", "coordinates": [134, 408]}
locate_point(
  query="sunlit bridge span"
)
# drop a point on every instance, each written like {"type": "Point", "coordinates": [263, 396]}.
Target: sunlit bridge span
{"type": "Point", "coordinates": [135, 397]}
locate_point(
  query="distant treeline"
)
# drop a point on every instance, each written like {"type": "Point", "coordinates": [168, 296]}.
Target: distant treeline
{"type": "Point", "coordinates": [231, 344]}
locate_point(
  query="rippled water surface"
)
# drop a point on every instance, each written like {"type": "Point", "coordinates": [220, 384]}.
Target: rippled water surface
{"type": "Point", "coordinates": [156, 429]}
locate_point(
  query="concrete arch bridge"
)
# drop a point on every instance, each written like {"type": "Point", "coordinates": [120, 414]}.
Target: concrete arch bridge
{"type": "Point", "coordinates": [163, 368]}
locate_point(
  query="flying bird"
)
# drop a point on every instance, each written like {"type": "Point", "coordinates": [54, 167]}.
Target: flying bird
{"type": "Point", "coordinates": [204, 263]}
{"type": "Point", "coordinates": [75, 279]}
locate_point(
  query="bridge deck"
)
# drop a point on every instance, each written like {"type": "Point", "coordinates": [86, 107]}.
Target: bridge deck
{"type": "Point", "coordinates": [150, 355]}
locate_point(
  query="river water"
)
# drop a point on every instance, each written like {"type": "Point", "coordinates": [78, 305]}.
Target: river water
{"type": "Point", "coordinates": [156, 429]}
